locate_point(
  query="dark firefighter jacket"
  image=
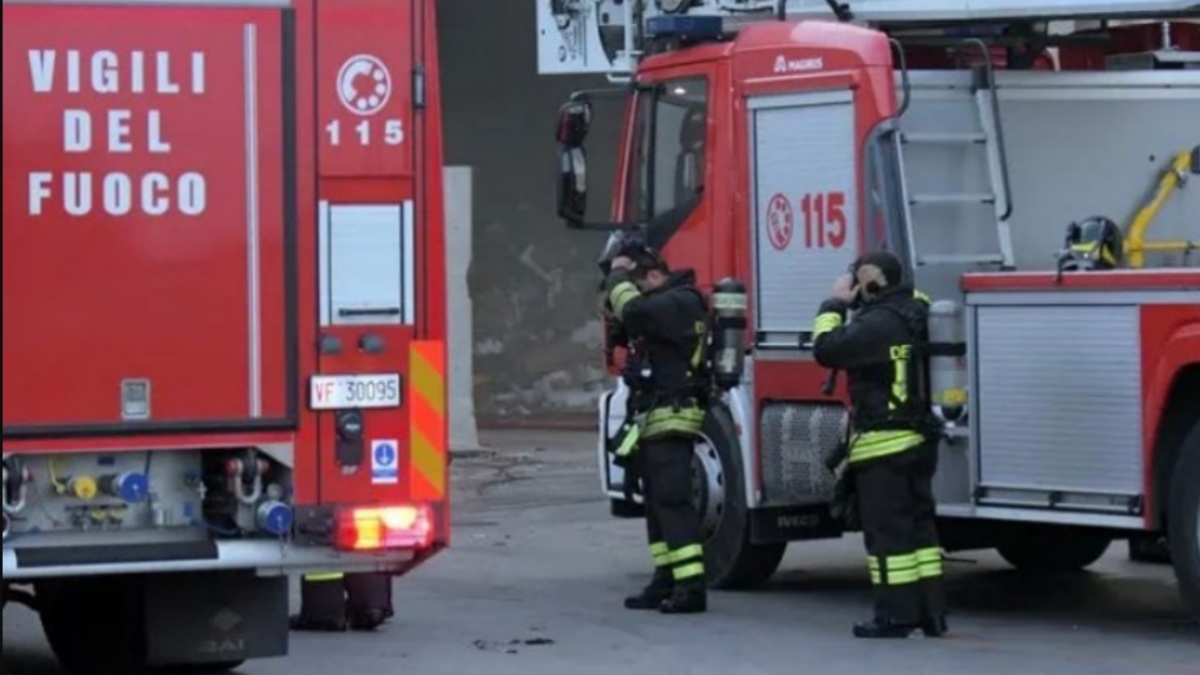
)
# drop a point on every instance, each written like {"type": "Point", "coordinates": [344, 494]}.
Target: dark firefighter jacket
{"type": "Point", "coordinates": [883, 354]}
{"type": "Point", "coordinates": [667, 330]}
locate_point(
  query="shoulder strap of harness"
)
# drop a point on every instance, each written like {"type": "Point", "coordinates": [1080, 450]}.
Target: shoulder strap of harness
{"type": "Point", "coordinates": [916, 408]}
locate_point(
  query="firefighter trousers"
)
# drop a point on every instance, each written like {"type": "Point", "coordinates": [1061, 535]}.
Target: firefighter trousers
{"type": "Point", "coordinates": [334, 601]}
{"type": "Point", "coordinates": [898, 511]}
{"type": "Point", "coordinates": [672, 522]}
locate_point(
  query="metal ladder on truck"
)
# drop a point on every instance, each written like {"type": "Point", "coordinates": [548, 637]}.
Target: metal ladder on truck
{"type": "Point", "coordinates": [991, 136]}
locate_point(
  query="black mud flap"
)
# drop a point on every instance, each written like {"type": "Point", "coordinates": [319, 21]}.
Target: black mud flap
{"type": "Point", "coordinates": [215, 618]}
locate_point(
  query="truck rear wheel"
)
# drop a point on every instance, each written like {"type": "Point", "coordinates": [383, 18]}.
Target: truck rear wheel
{"type": "Point", "coordinates": [202, 669]}
{"type": "Point", "coordinates": [731, 560]}
{"type": "Point", "coordinates": [95, 625]}
{"type": "Point", "coordinates": [1150, 549]}
{"type": "Point", "coordinates": [1053, 551]}
{"type": "Point", "coordinates": [1184, 520]}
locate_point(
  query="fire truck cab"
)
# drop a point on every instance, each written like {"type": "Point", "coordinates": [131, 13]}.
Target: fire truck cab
{"type": "Point", "coordinates": [1019, 167]}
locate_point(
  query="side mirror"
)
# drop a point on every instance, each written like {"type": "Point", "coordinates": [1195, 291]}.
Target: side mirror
{"type": "Point", "coordinates": [572, 185]}
{"type": "Point", "coordinates": [574, 120]}
{"type": "Point", "coordinates": [1196, 160]}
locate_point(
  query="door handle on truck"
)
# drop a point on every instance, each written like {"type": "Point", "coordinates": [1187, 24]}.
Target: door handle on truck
{"type": "Point", "coordinates": [369, 311]}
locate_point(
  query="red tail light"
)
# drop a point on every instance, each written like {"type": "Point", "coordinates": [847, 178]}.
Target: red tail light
{"type": "Point", "coordinates": [379, 528]}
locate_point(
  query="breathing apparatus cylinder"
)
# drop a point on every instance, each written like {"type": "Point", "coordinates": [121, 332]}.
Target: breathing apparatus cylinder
{"type": "Point", "coordinates": [729, 334]}
{"type": "Point", "coordinates": [947, 361]}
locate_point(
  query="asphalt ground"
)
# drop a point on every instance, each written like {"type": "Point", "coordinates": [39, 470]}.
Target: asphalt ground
{"type": "Point", "coordinates": [534, 580]}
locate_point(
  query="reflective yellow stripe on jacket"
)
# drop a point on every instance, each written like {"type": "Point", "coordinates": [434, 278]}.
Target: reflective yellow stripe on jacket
{"type": "Point", "coordinates": [825, 323]}
{"type": "Point", "coordinates": [876, 444]}
{"type": "Point", "coordinates": [665, 420]}
{"type": "Point", "coordinates": [620, 296]}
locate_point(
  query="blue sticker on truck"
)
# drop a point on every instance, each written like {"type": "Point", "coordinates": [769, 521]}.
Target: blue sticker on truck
{"type": "Point", "coordinates": [385, 462]}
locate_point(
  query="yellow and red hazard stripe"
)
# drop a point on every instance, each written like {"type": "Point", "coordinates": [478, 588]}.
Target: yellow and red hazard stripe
{"type": "Point", "coordinates": [427, 419]}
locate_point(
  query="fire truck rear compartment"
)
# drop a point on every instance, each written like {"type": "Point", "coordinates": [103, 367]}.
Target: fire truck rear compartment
{"type": "Point", "coordinates": [140, 507]}
{"type": "Point", "coordinates": [186, 552]}
{"type": "Point", "coordinates": [115, 534]}
{"type": "Point", "coordinates": [189, 510]}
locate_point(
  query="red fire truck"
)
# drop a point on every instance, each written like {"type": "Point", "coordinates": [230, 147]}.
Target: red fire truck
{"type": "Point", "coordinates": [770, 149]}
{"type": "Point", "coordinates": [224, 315]}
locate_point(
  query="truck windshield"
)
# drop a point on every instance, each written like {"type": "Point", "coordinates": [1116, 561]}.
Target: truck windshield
{"type": "Point", "coordinates": [666, 174]}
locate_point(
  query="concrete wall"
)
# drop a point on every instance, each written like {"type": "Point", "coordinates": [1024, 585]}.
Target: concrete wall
{"type": "Point", "coordinates": [532, 282]}
{"type": "Point", "coordinates": [463, 430]}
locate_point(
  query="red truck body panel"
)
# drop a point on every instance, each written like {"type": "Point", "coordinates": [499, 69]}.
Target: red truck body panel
{"type": "Point", "coordinates": [145, 231]}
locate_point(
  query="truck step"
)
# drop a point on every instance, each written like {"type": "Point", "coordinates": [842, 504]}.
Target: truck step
{"type": "Point", "coordinates": [953, 198]}
{"type": "Point", "coordinates": [944, 137]}
{"type": "Point", "coordinates": [961, 259]}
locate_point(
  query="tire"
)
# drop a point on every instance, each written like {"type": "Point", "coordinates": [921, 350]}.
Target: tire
{"type": "Point", "coordinates": [1184, 520]}
{"type": "Point", "coordinates": [1053, 551]}
{"type": "Point", "coordinates": [730, 560]}
{"type": "Point", "coordinates": [201, 668]}
{"type": "Point", "coordinates": [1150, 550]}
{"type": "Point", "coordinates": [95, 625]}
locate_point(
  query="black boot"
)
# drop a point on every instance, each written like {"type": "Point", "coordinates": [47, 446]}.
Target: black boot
{"type": "Point", "coordinates": [689, 599]}
{"type": "Point", "coordinates": [877, 629]}
{"type": "Point", "coordinates": [367, 620]}
{"type": "Point", "coordinates": [300, 622]}
{"type": "Point", "coordinates": [934, 626]}
{"type": "Point", "coordinates": [652, 595]}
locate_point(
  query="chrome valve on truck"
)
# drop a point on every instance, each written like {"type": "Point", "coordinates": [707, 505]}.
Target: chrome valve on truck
{"type": "Point", "coordinates": [16, 486]}
{"type": "Point", "coordinates": [246, 477]}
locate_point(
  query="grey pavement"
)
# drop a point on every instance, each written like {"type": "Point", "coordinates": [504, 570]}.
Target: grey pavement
{"type": "Point", "coordinates": [535, 577]}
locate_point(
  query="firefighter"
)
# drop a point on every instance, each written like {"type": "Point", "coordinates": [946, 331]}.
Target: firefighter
{"type": "Point", "coordinates": [335, 602]}
{"type": "Point", "coordinates": [892, 453]}
{"type": "Point", "coordinates": [665, 320]}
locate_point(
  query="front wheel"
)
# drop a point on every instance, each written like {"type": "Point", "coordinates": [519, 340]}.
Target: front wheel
{"type": "Point", "coordinates": [731, 561]}
{"type": "Point", "coordinates": [95, 625]}
{"type": "Point", "coordinates": [1184, 520]}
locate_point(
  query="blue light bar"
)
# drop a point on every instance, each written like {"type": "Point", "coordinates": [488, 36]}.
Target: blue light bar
{"type": "Point", "coordinates": [695, 27]}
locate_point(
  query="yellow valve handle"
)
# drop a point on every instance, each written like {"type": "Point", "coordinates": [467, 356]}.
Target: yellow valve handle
{"type": "Point", "coordinates": [83, 487]}
{"type": "Point", "coordinates": [1136, 244]}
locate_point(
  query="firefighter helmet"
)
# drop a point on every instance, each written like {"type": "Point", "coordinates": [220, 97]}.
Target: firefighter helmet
{"type": "Point", "coordinates": [875, 271]}
{"type": "Point", "coordinates": [631, 244]}
{"type": "Point", "coordinates": [1094, 243]}
{"type": "Point", "coordinates": [644, 257]}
